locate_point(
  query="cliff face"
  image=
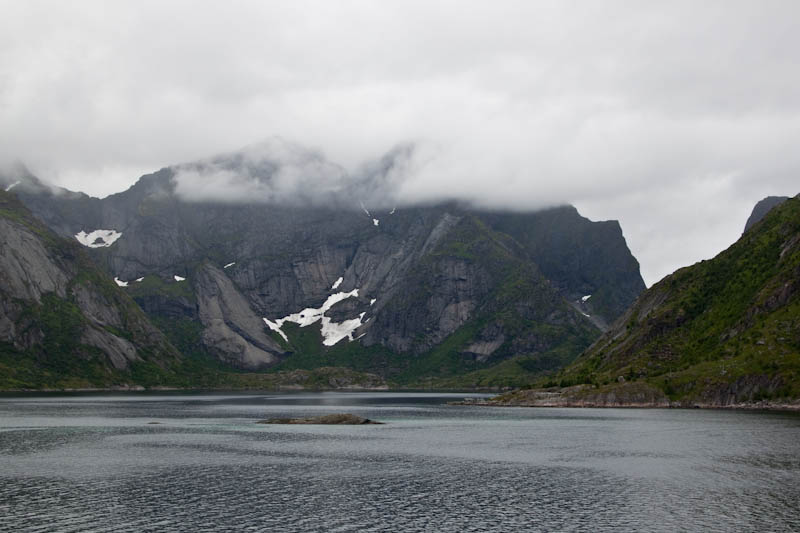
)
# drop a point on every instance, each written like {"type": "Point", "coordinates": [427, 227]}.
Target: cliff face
{"type": "Point", "coordinates": [762, 208]}
{"type": "Point", "coordinates": [720, 332]}
{"type": "Point", "coordinates": [579, 257]}
{"type": "Point", "coordinates": [415, 291]}
{"type": "Point", "coordinates": [63, 322]}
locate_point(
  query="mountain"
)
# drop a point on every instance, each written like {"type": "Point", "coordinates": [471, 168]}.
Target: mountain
{"type": "Point", "coordinates": [762, 208]}
{"type": "Point", "coordinates": [721, 332]}
{"type": "Point", "coordinates": [232, 263]}
{"type": "Point", "coordinates": [63, 322]}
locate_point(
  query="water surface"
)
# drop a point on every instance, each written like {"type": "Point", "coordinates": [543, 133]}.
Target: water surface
{"type": "Point", "coordinates": [190, 462]}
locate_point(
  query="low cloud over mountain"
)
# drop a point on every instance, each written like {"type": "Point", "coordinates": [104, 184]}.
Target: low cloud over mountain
{"type": "Point", "coordinates": [674, 118]}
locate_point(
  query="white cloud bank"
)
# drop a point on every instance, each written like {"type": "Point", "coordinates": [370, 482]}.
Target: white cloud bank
{"type": "Point", "coordinates": [276, 171]}
{"type": "Point", "coordinates": [674, 117]}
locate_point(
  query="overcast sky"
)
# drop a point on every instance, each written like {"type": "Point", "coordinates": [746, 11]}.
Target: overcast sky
{"type": "Point", "coordinates": [672, 117]}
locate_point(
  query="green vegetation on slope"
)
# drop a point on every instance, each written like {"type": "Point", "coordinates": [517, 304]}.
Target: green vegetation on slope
{"type": "Point", "coordinates": [60, 358]}
{"type": "Point", "coordinates": [721, 331]}
{"type": "Point", "coordinates": [579, 256]}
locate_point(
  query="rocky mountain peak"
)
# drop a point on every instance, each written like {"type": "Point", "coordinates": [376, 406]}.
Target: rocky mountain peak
{"type": "Point", "coordinates": [441, 289]}
{"type": "Point", "coordinates": [762, 208]}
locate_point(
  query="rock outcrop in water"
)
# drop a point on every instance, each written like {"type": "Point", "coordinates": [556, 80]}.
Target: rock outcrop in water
{"type": "Point", "coordinates": [335, 419]}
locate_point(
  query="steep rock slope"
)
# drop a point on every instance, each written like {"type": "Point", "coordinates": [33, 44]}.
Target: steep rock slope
{"type": "Point", "coordinates": [63, 322]}
{"type": "Point", "coordinates": [720, 332]}
{"type": "Point", "coordinates": [762, 208]}
{"type": "Point", "coordinates": [588, 262]}
{"type": "Point", "coordinates": [406, 291]}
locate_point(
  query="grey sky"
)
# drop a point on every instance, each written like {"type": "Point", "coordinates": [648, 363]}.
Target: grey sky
{"type": "Point", "coordinates": [673, 117]}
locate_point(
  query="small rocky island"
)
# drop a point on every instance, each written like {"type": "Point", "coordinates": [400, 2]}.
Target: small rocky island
{"type": "Point", "coordinates": [335, 419]}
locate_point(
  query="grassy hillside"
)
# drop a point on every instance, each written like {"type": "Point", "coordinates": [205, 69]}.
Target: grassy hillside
{"type": "Point", "coordinates": [721, 331]}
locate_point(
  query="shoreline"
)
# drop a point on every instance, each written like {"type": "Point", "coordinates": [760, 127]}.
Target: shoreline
{"type": "Point", "coordinates": [285, 388]}
{"type": "Point", "coordinates": [467, 401]}
{"type": "Point", "coordinates": [749, 406]}
{"type": "Point", "coordinates": [279, 388]}
{"type": "Point", "coordinates": [631, 395]}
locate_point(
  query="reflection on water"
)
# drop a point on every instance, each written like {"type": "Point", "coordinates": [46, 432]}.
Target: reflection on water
{"type": "Point", "coordinates": [200, 463]}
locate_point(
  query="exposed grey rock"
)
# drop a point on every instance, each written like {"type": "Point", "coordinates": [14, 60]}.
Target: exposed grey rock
{"type": "Point", "coordinates": [741, 390]}
{"type": "Point", "coordinates": [483, 349]}
{"type": "Point", "coordinates": [232, 329]}
{"type": "Point", "coordinates": [762, 208]}
{"type": "Point", "coordinates": [26, 268]}
{"type": "Point", "coordinates": [119, 351]}
{"type": "Point", "coordinates": [445, 224]}
{"type": "Point", "coordinates": [96, 307]}
{"type": "Point", "coordinates": [8, 328]}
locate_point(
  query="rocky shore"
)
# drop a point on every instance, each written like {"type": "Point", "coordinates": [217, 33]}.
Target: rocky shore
{"type": "Point", "coordinates": [633, 395]}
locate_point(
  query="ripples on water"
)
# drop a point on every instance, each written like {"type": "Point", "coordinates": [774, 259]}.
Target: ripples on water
{"type": "Point", "coordinates": [97, 463]}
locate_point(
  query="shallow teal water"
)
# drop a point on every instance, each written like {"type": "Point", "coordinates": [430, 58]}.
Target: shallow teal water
{"type": "Point", "coordinates": [99, 463]}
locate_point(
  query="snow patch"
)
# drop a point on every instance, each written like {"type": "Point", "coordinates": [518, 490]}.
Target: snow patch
{"type": "Point", "coordinates": [373, 301]}
{"type": "Point", "coordinates": [337, 283]}
{"type": "Point", "coordinates": [229, 265]}
{"type": "Point", "coordinates": [275, 327]}
{"type": "Point", "coordinates": [139, 280]}
{"type": "Point", "coordinates": [120, 282]}
{"type": "Point", "coordinates": [392, 211]}
{"type": "Point", "coordinates": [332, 332]}
{"type": "Point", "coordinates": [375, 221]}
{"type": "Point", "coordinates": [13, 185]}
{"type": "Point", "coordinates": [309, 315]}
{"type": "Point", "coordinates": [584, 298]}
{"type": "Point", "coordinates": [99, 238]}
{"type": "Point", "coordinates": [178, 278]}
{"type": "Point", "coordinates": [584, 314]}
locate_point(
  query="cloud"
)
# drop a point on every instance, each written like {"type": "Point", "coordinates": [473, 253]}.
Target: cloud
{"type": "Point", "coordinates": [674, 118]}
{"type": "Point", "coordinates": [276, 171]}
{"type": "Point", "coordinates": [271, 172]}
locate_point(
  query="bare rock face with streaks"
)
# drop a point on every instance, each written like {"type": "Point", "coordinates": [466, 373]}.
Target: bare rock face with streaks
{"type": "Point", "coordinates": [232, 329]}
{"type": "Point", "coordinates": [26, 266]}
{"type": "Point", "coordinates": [445, 281]}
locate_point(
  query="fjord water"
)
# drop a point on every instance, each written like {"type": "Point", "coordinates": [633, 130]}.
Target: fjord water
{"type": "Point", "coordinates": [190, 462]}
